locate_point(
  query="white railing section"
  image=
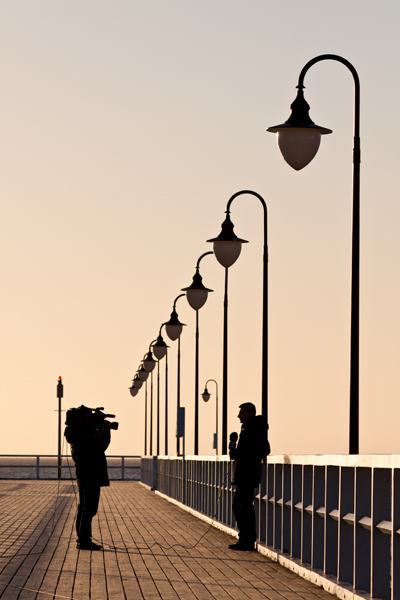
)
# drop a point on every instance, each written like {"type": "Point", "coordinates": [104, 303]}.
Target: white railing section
{"type": "Point", "coordinates": [45, 466]}
{"type": "Point", "coordinates": [333, 519]}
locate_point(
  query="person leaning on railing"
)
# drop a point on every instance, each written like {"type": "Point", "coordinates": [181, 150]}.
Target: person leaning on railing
{"type": "Point", "coordinates": [247, 456]}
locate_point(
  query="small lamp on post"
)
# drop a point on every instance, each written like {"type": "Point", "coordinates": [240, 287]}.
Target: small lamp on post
{"type": "Point", "coordinates": [137, 382]}
{"type": "Point", "coordinates": [148, 362]}
{"type": "Point", "coordinates": [133, 390]}
{"type": "Point", "coordinates": [142, 373]}
{"type": "Point", "coordinates": [299, 137]}
{"type": "Point", "coordinates": [196, 295]}
{"type": "Point", "coordinates": [174, 327]}
{"type": "Point", "coordinates": [206, 396]}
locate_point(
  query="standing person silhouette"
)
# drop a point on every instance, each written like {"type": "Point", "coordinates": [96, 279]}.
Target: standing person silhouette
{"type": "Point", "coordinates": [89, 438]}
{"type": "Point", "coordinates": [247, 456]}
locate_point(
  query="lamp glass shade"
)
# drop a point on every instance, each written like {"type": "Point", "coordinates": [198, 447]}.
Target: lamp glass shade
{"type": "Point", "coordinates": [133, 391]}
{"type": "Point", "coordinates": [196, 293]}
{"type": "Point", "coordinates": [206, 395]}
{"type": "Point", "coordinates": [160, 348]}
{"type": "Point", "coordinates": [227, 252]}
{"type": "Point", "coordinates": [149, 363]}
{"type": "Point", "coordinates": [137, 383]}
{"type": "Point", "coordinates": [196, 298]}
{"type": "Point", "coordinates": [160, 351]}
{"type": "Point", "coordinates": [174, 327]}
{"type": "Point", "coordinates": [173, 331]}
{"type": "Point", "coordinates": [298, 145]}
{"type": "Point", "coordinates": [142, 373]}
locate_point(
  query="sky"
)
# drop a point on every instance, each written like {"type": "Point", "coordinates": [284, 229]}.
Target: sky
{"type": "Point", "coordinates": [125, 127]}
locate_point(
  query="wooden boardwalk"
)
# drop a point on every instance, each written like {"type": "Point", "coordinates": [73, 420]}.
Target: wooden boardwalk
{"type": "Point", "coordinates": [152, 549]}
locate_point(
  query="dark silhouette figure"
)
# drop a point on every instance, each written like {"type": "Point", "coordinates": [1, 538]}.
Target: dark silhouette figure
{"type": "Point", "coordinates": [247, 456]}
{"type": "Point", "coordinates": [89, 438]}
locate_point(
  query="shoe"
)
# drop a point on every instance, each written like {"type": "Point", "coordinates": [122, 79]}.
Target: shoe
{"type": "Point", "coordinates": [242, 547]}
{"type": "Point", "coordinates": [88, 546]}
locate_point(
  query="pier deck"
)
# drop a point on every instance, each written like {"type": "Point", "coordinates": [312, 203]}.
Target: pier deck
{"type": "Point", "coordinates": [151, 549]}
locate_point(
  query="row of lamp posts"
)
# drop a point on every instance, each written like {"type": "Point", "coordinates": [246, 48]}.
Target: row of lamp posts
{"type": "Point", "coordinates": [298, 139]}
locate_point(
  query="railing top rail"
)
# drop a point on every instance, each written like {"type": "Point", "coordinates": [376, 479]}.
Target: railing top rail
{"type": "Point", "coordinates": [64, 455]}
{"type": "Point", "coordinates": [390, 461]}
{"type": "Point", "coordinates": [212, 457]}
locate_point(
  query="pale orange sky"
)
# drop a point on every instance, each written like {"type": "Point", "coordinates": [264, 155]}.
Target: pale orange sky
{"type": "Point", "coordinates": [125, 128]}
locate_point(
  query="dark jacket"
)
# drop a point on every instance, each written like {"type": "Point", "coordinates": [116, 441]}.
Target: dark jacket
{"type": "Point", "coordinates": [249, 452]}
{"type": "Point", "coordinates": [87, 449]}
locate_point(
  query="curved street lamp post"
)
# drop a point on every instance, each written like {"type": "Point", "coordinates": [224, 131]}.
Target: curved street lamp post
{"type": "Point", "coordinates": [227, 247]}
{"type": "Point", "coordinates": [174, 328]}
{"type": "Point", "coordinates": [299, 140]}
{"type": "Point", "coordinates": [141, 375]}
{"type": "Point", "coordinates": [196, 295]}
{"type": "Point", "coordinates": [160, 350]}
{"type": "Point", "coordinates": [149, 363]}
{"type": "Point", "coordinates": [206, 396]}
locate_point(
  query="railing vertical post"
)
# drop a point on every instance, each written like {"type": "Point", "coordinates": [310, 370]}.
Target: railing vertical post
{"type": "Point", "coordinates": [395, 536]}
{"type": "Point", "coordinates": [318, 518]}
{"type": "Point", "coordinates": [296, 537]}
{"type": "Point", "coordinates": [362, 541]}
{"type": "Point", "coordinates": [346, 528]}
{"type": "Point", "coordinates": [380, 541]}
{"type": "Point", "coordinates": [306, 517]}
{"type": "Point", "coordinates": [262, 490]}
{"type": "Point", "coordinates": [270, 507]}
{"type": "Point", "coordinates": [331, 521]}
{"type": "Point", "coordinates": [155, 467]}
{"type": "Point", "coordinates": [122, 468]}
{"type": "Point", "coordinates": [286, 510]}
{"type": "Point", "coordinates": [277, 509]}
{"type": "Point", "coordinates": [37, 467]}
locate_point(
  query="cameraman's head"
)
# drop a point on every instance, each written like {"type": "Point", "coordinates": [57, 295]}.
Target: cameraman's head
{"type": "Point", "coordinates": [89, 419]}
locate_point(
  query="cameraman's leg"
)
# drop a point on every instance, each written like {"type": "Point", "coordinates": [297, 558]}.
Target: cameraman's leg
{"type": "Point", "coordinates": [88, 504]}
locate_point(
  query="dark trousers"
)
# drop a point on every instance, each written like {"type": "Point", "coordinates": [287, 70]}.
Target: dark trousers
{"type": "Point", "coordinates": [88, 503]}
{"type": "Point", "coordinates": [243, 509]}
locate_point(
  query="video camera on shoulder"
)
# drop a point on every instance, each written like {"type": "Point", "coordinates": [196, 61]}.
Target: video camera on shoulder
{"type": "Point", "coordinates": [91, 418]}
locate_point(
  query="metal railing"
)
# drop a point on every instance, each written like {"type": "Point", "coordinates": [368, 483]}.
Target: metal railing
{"type": "Point", "coordinates": [334, 520]}
{"type": "Point", "coordinates": [45, 466]}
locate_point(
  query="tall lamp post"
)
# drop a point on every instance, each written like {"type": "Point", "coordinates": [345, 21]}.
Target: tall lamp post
{"type": "Point", "coordinates": [227, 247]}
{"type": "Point", "coordinates": [60, 394]}
{"type": "Point", "coordinates": [299, 140]}
{"type": "Point", "coordinates": [174, 328]}
{"type": "Point", "coordinates": [206, 396]}
{"type": "Point", "coordinates": [141, 376]}
{"type": "Point", "coordinates": [196, 295]}
{"type": "Point", "coordinates": [134, 391]}
{"type": "Point", "coordinates": [160, 349]}
{"type": "Point", "coordinates": [148, 364]}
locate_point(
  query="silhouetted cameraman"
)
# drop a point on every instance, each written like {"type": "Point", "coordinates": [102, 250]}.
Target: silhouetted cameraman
{"type": "Point", "coordinates": [252, 446]}
{"type": "Point", "coordinates": [88, 432]}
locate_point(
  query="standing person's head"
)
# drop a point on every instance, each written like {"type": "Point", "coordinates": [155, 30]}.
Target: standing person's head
{"type": "Point", "coordinates": [247, 410]}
